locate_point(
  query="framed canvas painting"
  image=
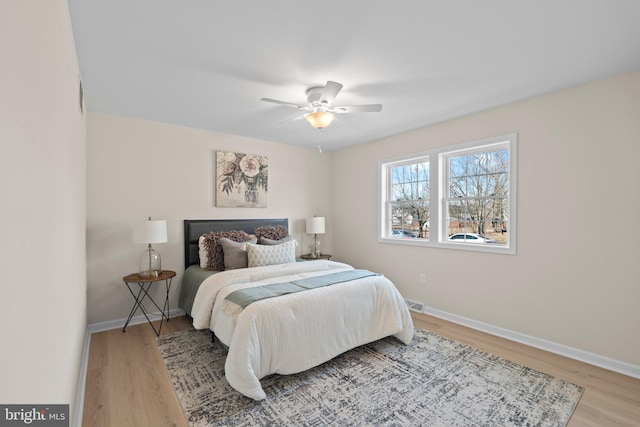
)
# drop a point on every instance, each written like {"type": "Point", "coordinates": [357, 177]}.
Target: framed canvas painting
{"type": "Point", "coordinates": [241, 180]}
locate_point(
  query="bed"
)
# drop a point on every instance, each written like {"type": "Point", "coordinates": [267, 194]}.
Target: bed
{"type": "Point", "coordinates": [333, 308]}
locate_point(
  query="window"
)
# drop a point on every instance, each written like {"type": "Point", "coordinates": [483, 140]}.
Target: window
{"type": "Point", "coordinates": [409, 201]}
{"type": "Point", "coordinates": [460, 197]}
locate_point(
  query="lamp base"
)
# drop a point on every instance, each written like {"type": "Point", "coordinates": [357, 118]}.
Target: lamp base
{"type": "Point", "coordinates": [150, 263]}
{"type": "Point", "coordinates": [314, 248]}
{"type": "Point", "coordinates": [149, 274]}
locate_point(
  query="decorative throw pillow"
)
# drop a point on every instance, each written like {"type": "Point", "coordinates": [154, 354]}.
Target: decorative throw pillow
{"type": "Point", "coordinates": [265, 241]}
{"type": "Point", "coordinates": [270, 232]}
{"type": "Point", "coordinates": [210, 251]}
{"type": "Point", "coordinates": [235, 253]}
{"type": "Point", "coordinates": [260, 255]}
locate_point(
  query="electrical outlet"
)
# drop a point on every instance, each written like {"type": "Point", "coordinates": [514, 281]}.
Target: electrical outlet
{"type": "Point", "coordinates": [422, 278]}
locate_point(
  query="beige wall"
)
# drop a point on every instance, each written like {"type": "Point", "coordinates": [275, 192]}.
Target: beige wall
{"type": "Point", "coordinates": [138, 168]}
{"type": "Point", "coordinates": [42, 219]}
{"type": "Point", "coordinates": [574, 280]}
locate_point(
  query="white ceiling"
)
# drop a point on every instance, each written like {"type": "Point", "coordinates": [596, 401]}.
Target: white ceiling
{"type": "Point", "coordinates": [206, 63]}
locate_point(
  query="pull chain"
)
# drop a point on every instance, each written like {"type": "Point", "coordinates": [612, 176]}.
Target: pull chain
{"type": "Point", "coordinates": [320, 141]}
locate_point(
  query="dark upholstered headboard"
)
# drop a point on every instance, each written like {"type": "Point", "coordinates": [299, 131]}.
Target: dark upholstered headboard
{"type": "Point", "coordinates": [194, 228]}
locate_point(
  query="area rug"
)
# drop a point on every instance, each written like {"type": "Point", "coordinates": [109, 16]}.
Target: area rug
{"type": "Point", "coordinates": [432, 382]}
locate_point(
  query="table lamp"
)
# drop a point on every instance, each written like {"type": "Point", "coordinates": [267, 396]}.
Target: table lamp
{"type": "Point", "coordinates": [315, 226]}
{"type": "Point", "coordinates": [148, 232]}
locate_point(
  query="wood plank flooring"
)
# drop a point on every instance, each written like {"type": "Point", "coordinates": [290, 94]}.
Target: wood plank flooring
{"type": "Point", "coordinates": [127, 384]}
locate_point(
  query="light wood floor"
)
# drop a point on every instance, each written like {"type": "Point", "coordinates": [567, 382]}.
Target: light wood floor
{"type": "Point", "coordinates": [127, 384]}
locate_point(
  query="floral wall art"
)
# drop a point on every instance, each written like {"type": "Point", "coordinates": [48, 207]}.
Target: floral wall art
{"type": "Point", "coordinates": [241, 180]}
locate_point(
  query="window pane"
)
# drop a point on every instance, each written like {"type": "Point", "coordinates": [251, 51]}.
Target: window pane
{"type": "Point", "coordinates": [421, 219]}
{"type": "Point", "coordinates": [458, 166]}
{"type": "Point", "coordinates": [410, 182]}
{"type": "Point", "coordinates": [397, 215]}
{"type": "Point", "coordinates": [498, 224]}
{"type": "Point", "coordinates": [475, 186]}
{"type": "Point", "coordinates": [409, 200]}
{"type": "Point", "coordinates": [458, 187]}
{"type": "Point", "coordinates": [498, 184]}
{"type": "Point", "coordinates": [402, 192]}
{"type": "Point", "coordinates": [423, 191]}
{"type": "Point", "coordinates": [410, 219]}
{"type": "Point", "coordinates": [423, 171]}
{"type": "Point", "coordinates": [399, 174]}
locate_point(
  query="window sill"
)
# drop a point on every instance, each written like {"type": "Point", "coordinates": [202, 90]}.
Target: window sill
{"type": "Point", "coordinates": [488, 248]}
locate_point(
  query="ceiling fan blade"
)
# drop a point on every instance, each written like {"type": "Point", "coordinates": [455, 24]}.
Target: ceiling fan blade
{"type": "Point", "coordinates": [288, 104]}
{"type": "Point", "coordinates": [330, 92]}
{"type": "Point", "coordinates": [370, 108]}
{"type": "Point", "coordinates": [292, 119]}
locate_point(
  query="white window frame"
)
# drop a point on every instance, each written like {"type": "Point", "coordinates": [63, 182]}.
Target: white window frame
{"type": "Point", "coordinates": [438, 192]}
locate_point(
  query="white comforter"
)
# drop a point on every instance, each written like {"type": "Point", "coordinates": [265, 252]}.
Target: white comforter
{"type": "Point", "coordinates": [295, 332]}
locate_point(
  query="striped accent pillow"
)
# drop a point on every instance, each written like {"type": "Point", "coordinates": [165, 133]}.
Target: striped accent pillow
{"type": "Point", "coordinates": [260, 255]}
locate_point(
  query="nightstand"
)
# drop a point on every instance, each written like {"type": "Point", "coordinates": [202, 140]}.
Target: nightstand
{"type": "Point", "coordinates": [142, 291]}
{"type": "Point", "coordinates": [308, 257]}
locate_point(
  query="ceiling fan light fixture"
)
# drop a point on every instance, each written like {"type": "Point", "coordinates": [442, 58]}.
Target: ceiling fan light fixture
{"type": "Point", "coordinates": [320, 119]}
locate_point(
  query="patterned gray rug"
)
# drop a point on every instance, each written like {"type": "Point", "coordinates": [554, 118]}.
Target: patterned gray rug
{"type": "Point", "coordinates": [432, 382]}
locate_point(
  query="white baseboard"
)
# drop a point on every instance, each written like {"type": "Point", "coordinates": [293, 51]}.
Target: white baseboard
{"type": "Point", "coordinates": [563, 350]}
{"type": "Point", "coordinates": [82, 382]}
{"type": "Point", "coordinates": [135, 320]}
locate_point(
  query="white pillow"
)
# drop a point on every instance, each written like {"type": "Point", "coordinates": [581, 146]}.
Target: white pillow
{"type": "Point", "coordinates": [260, 255]}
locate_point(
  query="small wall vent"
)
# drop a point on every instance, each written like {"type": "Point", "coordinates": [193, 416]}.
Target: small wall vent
{"type": "Point", "coordinates": [414, 305]}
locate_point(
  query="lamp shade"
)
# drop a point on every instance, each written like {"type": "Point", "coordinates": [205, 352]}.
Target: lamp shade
{"type": "Point", "coordinates": [315, 225]}
{"type": "Point", "coordinates": [152, 231]}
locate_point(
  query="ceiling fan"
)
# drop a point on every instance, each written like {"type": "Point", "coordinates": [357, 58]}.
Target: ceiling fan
{"type": "Point", "coordinates": [320, 105]}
